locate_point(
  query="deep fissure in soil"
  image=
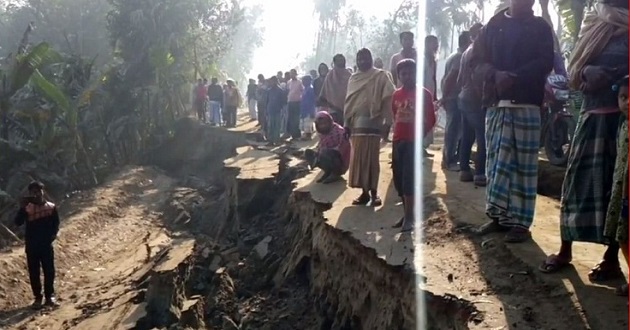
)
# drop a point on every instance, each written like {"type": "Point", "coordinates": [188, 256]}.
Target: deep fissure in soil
{"type": "Point", "coordinates": [252, 254]}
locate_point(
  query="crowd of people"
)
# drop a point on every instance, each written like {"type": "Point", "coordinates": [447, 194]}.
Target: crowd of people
{"type": "Point", "coordinates": [217, 104]}
{"type": "Point", "coordinates": [492, 92]}
{"type": "Point", "coordinates": [352, 111]}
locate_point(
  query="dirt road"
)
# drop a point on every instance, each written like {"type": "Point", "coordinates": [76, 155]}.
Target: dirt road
{"type": "Point", "coordinates": [232, 236]}
{"type": "Point", "coordinates": [106, 236]}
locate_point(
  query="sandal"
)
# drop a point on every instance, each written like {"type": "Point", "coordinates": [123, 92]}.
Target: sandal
{"type": "Point", "coordinates": [517, 235]}
{"type": "Point", "coordinates": [399, 223]}
{"type": "Point", "coordinates": [375, 201]}
{"type": "Point", "coordinates": [492, 226]}
{"type": "Point", "coordinates": [622, 291]}
{"type": "Point", "coordinates": [553, 264]}
{"type": "Point", "coordinates": [602, 272]}
{"type": "Point", "coordinates": [361, 200]}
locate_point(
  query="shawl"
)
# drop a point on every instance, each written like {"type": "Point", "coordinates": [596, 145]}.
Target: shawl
{"type": "Point", "coordinates": [335, 88]}
{"type": "Point", "coordinates": [599, 26]}
{"type": "Point", "coordinates": [379, 85]}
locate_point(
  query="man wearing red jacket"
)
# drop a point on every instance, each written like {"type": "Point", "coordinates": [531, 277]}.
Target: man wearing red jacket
{"type": "Point", "coordinates": [404, 139]}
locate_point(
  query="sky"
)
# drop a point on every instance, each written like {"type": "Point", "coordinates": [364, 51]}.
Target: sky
{"type": "Point", "coordinates": [291, 28]}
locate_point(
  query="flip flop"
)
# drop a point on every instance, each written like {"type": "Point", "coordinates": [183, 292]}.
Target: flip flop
{"type": "Point", "coordinates": [553, 264]}
{"type": "Point", "coordinates": [600, 274]}
{"type": "Point", "coordinates": [375, 202]}
{"type": "Point", "coordinates": [361, 200]}
{"type": "Point", "coordinates": [399, 223]}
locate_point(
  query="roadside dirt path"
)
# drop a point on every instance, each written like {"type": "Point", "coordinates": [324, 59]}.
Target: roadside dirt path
{"type": "Point", "coordinates": [107, 235]}
{"type": "Point", "coordinates": [504, 279]}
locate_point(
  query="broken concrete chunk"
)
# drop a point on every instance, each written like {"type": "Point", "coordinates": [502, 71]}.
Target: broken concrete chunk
{"type": "Point", "coordinates": [262, 248]}
{"type": "Point", "coordinates": [215, 264]}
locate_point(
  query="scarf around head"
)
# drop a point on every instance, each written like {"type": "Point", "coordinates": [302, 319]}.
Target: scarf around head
{"type": "Point", "coordinates": [600, 24]}
{"type": "Point", "coordinates": [335, 137]}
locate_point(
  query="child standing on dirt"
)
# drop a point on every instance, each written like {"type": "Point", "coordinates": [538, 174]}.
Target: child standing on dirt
{"type": "Point", "coordinates": [616, 227]}
{"type": "Point", "coordinates": [404, 139]}
{"type": "Point", "coordinates": [42, 225]}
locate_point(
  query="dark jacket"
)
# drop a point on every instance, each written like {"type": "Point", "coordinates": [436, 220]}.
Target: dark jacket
{"type": "Point", "coordinates": [318, 84]}
{"type": "Point", "coordinates": [215, 93]}
{"type": "Point", "coordinates": [521, 47]}
{"type": "Point", "coordinates": [276, 99]}
{"type": "Point", "coordinates": [251, 92]}
{"type": "Point", "coordinates": [42, 223]}
{"type": "Point", "coordinates": [262, 96]}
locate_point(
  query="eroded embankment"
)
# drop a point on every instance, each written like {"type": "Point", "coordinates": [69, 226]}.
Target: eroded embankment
{"type": "Point", "coordinates": [262, 257]}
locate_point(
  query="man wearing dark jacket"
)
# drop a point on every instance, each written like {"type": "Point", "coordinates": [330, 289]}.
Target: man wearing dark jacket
{"type": "Point", "coordinates": [514, 54]}
{"type": "Point", "coordinates": [215, 98]}
{"type": "Point", "coordinates": [42, 225]}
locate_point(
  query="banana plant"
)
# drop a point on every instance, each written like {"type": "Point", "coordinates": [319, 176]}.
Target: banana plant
{"type": "Point", "coordinates": [69, 116]}
{"type": "Point", "coordinates": [16, 71]}
{"type": "Point", "coordinates": [572, 13]}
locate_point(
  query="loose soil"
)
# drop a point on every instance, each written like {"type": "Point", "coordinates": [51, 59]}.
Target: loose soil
{"type": "Point", "coordinates": [502, 281]}
{"type": "Point", "coordinates": [186, 242]}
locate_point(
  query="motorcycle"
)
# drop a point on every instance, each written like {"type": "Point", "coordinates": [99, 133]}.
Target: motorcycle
{"type": "Point", "coordinates": [559, 125]}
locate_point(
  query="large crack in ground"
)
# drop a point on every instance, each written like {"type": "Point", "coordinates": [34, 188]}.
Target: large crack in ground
{"type": "Point", "coordinates": [234, 251]}
{"type": "Point", "coordinates": [266, 259]}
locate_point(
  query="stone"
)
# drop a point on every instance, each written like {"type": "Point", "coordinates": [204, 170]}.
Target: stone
{"type": "Point", "coordinates": [215, 264]}
{"type": "Point", "coordinates": [262, 248]}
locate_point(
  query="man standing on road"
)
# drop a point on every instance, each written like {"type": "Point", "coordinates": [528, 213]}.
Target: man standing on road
{"type": "Point", "coordinates": [429, 80]}
{"type": "Point", "coordinates": [408, 51]}
{"type": "Point", "coordinates": [513, 54]}
{"type": "Point", "coordinates": [335, 88]}
{"type": "Point", "coordinates": [276, 100]}
{"type": "Point", "coordinates": [369, 97]}
{"type": "Point", "coordinates": [251, 99]}
{"type": "Point", "coordinates": [200, 100]}
{"type": "Point", "coordinates": [233, 101]}
{"type": "Point", "coordinates": [473, 120]}
{"type": "Point", "coordinates": [452, 131]}
{"type": "Point", "coordinates": [261, 102]}
{"type": "Point", "coordinates": [294, 99]}
{"type": "Point", "coordinates": [215, 100]}
{"type": "Point", "coordinates": [42, 225]}
{"type": "Point", "coordinates": [318, 84]}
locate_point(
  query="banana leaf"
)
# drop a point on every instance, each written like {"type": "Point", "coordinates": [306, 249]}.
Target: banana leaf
{"type": "Point", "coordinates": [25, 65]}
